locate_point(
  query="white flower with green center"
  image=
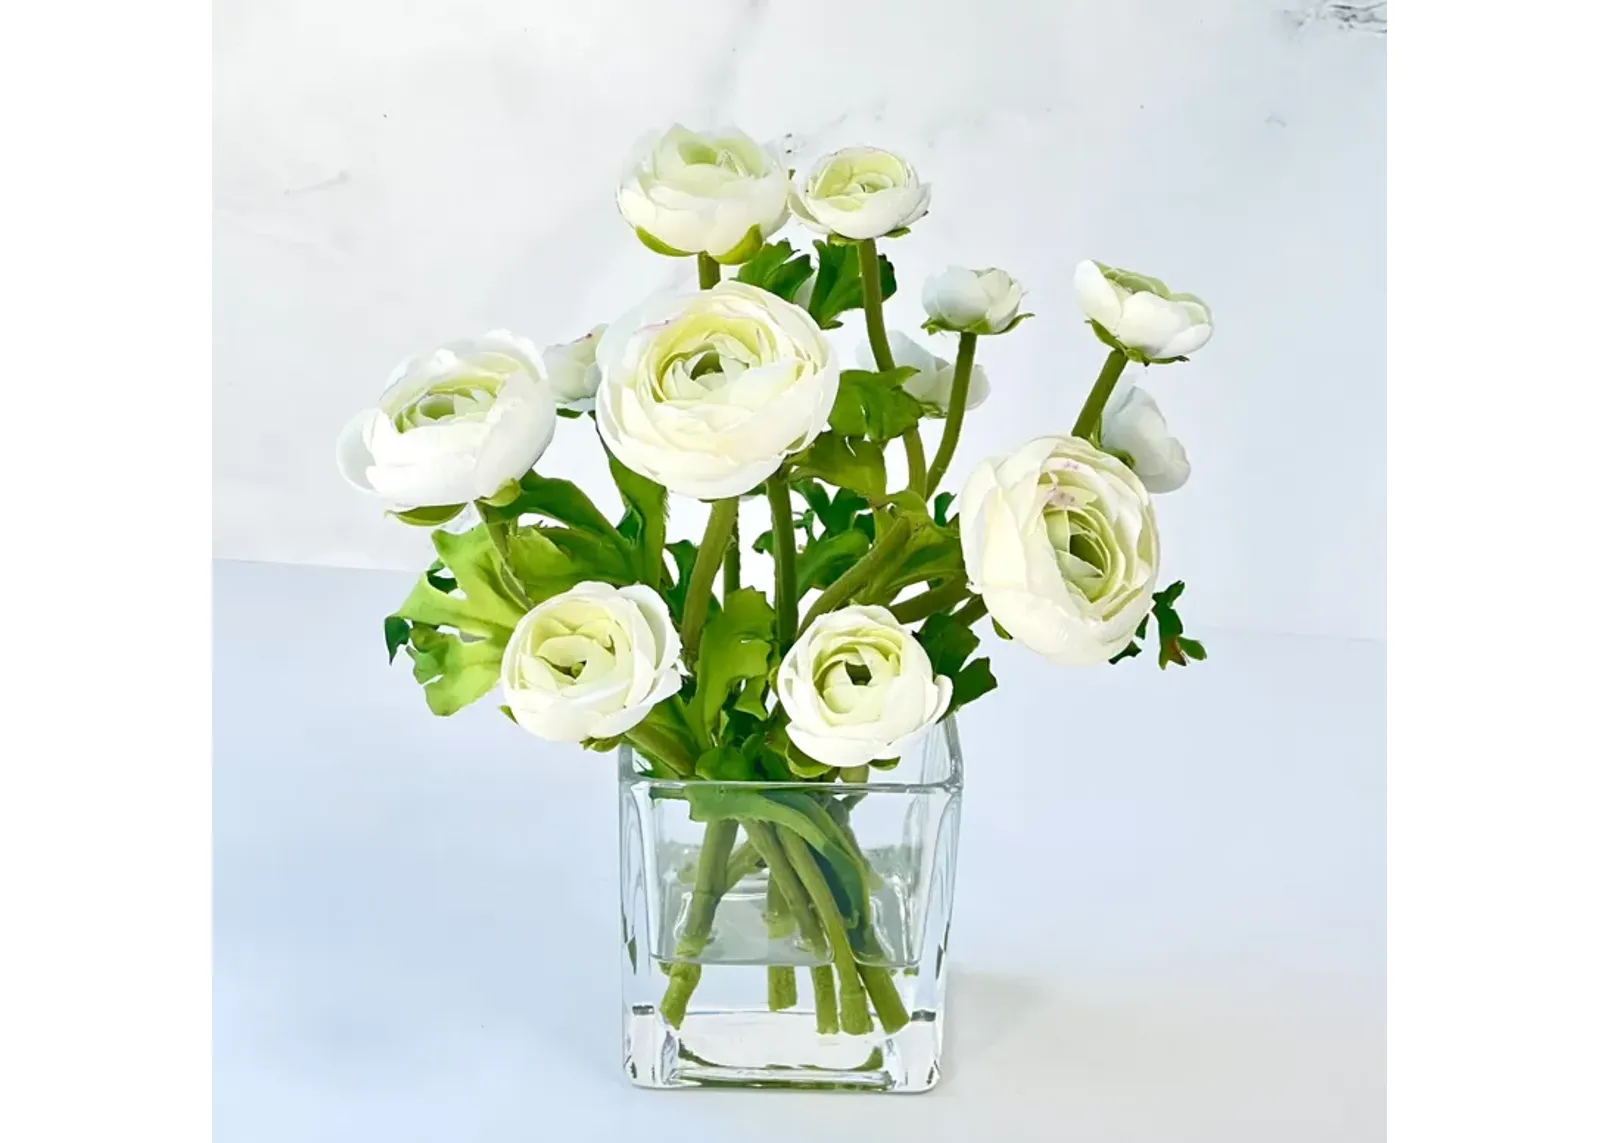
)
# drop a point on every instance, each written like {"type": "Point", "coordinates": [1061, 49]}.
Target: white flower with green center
{"type": "Point", "coordinates": [1139, 314]}
{"type": "Point", "coordinates": [857, 686]}
{"type": "Point", "coordinates": [707, 393]}
{"type": "Point", "coordinates": [931, 384]}
{"type": "Point", "coordinates": [1060, 540]}
{"type": "Point", "coordinates": [861, 192]}
{"type": "Point", "coordinates": [590, 662]}
{"type": "Point", "coordinates": [719, 193]}
{"type": "Point", "coordinates": [453, 425]}
{"type": "Point", "coordinates": [1132, 427]}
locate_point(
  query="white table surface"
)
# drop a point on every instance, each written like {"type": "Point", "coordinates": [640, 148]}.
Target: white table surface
{"type": "Point", "coordinates": [1169, 917]}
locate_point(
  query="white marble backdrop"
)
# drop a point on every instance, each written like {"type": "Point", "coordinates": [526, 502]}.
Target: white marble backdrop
{"type": "Point", "coordinates": [393, 175]}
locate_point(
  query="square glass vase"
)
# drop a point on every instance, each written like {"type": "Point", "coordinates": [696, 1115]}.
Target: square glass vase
{"type": "Point", "coordinates": [789, 934]}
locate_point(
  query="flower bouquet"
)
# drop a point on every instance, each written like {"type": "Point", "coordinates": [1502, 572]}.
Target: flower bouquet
{"type": "Point", "coordinates": [790, 777]}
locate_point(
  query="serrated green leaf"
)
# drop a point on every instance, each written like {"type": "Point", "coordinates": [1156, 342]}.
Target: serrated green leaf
{"type": "Point", "coordinates": [454, 673]}
{"type": "Point", "coordinates": [837, 288]}
{"type": "Point", "coordinates": [1128, 652]}
{"type": "Point", "coordinates": [974, 681]}
{"type": "Point", "coordinates": [778, 269]}
{"type": "Point", "coordinates": [644, 520]}
{"type": "Point", "coordinates": [396, 631]}
{"type": "Point", "coordinates": [846, 462]}
{"type": "Point", "coordinates": [1168, 595]}
{"type": "Point", "coordinates": [941, 507]}
{"type": "Point", "coordinates": [724, 764]}
{"type": "Point", "coordinates": [824, 560]}
{"type": "Point", "coordinates": [737, 644]}
{"type": "Point", "coordinates": [948, 643]}
{"type": "Point", "coordinates": [558, 500]}
{"type": "Point", "coordinates": [752, 698]}
{"type": "Point", "coordinates": [683, 553]}
{"type": "Point", "coordinates": [873, 405]}
{"type": "Point", "coordinates": [478, 605]}
{"type": "Point", "coordinates": [1193, 648]}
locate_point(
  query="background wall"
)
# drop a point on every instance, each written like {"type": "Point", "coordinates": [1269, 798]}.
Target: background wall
{"type": "Point", "coordinates": [389, 176]}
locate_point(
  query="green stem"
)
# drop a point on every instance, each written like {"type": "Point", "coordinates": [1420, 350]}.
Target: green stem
{"type": "Point", "coordinates": [786, 601]}
{"type": "Point", "coordinates": [781, 990]}
{"type": "Point", "coordinates": [730, 561]}
{"type": "Point", "coordinates": [916, 461]}
{"type": "Point", "coordinates": [1087, 425]}
{"type": "Point", "coordinates": [888, 546]}
{"type": "Point", "coordinates": [883, 356]}
{"type": "Point", "coordinates": [853, 1015]}
{"type": "Point", "coordinates": [765, 838]}
{"type": "Point", "coordinates": [966, 350]}
{"type": "Point", "coordinates": [924, 605]}
{"type": "Point", "coordinates": [744, 861]}
{"type": "Point", "coordinates": [698, 603]}
{"type": "Point", "coordinates": [710, 272]}
{"type": "Point", "coordinates": [498, 533]}
{"type": "Point", "coordinates": [709, 878]}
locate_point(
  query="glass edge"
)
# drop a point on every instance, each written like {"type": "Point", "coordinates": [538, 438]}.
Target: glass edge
{"type": "Point", "coordinates": [628, 776]}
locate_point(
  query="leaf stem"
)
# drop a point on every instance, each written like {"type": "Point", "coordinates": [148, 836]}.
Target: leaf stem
{"type": "Point", "coordinates": [1087, 425]}
{"type": "Point", "coordinates": [497, 531]}
{"type": "Point", "coordinates": [957, 413]}
{"type": "Point", "coordinates": [888, 546]}
{"type": "Point", "coordinates": [730, 561]}
{"type": "Point", "coordinates": [698, 602]}
{"type": "Point", "coordinates": [710, 271]}
{"type": "Point", "coordinates": [935, 599]}
{"type": "Point", "coordinates": [878, 339]}
{"type": "Point", "coordinates": [785, 590]}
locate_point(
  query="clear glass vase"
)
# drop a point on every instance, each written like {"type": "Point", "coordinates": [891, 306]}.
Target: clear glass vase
{"type": "Point", "coordinates": [789, 934]}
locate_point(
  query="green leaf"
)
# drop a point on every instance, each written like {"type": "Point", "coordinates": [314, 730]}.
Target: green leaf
{"type": "Point", "coordinates": [429, 517]}
{"type": "Point", "coordinates": [439, 577]}
{"type": "Point", "coordinates": [478, 605]}
{"type": "Point", "coordinates": [999, 630]}
{"type": "Point", "coordinates": [838, 285]}
{"type": "Point", "coordinates": [548, 561]}
{"type": "Point", "coordinates": [644, 520]}
{"type": "Point", "coordinates": [873, 405]}
{"type": "Point", "coordinates": [683, 553]}
{"type": "Point", "coordinates": [724, 764]}
{"type": "Point", "coordinates": [660, 247]}
{"type": "Point", "coordinates": [1168, 595]}
{"type": "Point", "coordinates": [948, 643]}
{"type": "Point", "coordinates": [737, 644]}
{"type": "Point", "coordinates": [846, 462]}
{"type": "Point", "coordinates": [1127, 652]}
{"type": "Point", "coordinates": [454, 673]}
{"type": "Point", "coordinates": [570, 413]}
{"type": "Point", "coordinates": [752, 698]}
{"type": "Point", "coordinates": [777, 269]}
{"type": "Point", "coordinates": [396, 631]}
{"type": "Point", "coordinates": [822, 561]}
{"type": "Point", "coordinates": [559, 500]}
{"type": "Point", "coordinates": [974, 681]}
{"type": "Point", "coordinates": [941, 507]}
{"type": "Point", "coordinates": [1193, 648]}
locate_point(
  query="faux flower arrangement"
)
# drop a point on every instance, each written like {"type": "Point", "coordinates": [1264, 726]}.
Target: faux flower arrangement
{"type": "Point", "coordinates": [603, 632]}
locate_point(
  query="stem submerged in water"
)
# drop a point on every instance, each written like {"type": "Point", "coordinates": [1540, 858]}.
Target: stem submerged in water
{"type": "Point", "coordinates": [710, 882]}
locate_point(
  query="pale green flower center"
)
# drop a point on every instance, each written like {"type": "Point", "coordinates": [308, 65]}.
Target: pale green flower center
{"type": "Point", "coordinates": [696, 359]}
{"type": "Point", "coordinates": [458, 399]}
{"type": "Point", "coordinates": [1085, 547]}
{"type": "Point", "coordinates": [850, 678]}
{"type": "Point", "coordinates": [853, 180]}
{"type": "Point", "coordinates": [578, 646]}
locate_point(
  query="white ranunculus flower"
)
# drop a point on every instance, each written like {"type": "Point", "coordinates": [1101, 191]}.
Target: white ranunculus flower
{"type": "Point", "coordinates": [1060, 540]}
{"type": "Point", "coordinates": [860, 192]}
{"type": "Point", "coordinates": [590, 662]}
{"type": "Point", "coordinates": [571, 367]}
{"type": "Point", "coordinates": [692, 193]}
{"type": "Point", "coordinates": [1132, 425]}
{"type": "Point", "coordinates": [857, 686]}
{"type": "Point", "coordinates": [972, 301]}
{"type": "Point", "coordinates": [453, 425]}
{"type": "Point", "coordinates": [931, 385]}
{"type": "Point", "coordinates": [708, 392]}
{"type": "Point", "coordinates": [1140, 313]}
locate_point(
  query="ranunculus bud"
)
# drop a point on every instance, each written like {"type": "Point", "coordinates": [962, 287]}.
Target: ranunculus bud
{"type": "Point", "coordinates": [972, 301]}
{"type": "Point", "coordinates": [590, 662]}
{"type": "Point", "coordinates": [454, 425]}
{"type": "Point", "coordinates": [1133, 426]}
{"type": "Point", "coordinates": [1139, 314]}
{"type": "Point", "coordinates": [860, 192]}
{"type": "Point", "coordinates": [1060, 540]}
{"type": "Point", "coordinates": [574, 375]}
{"type": "Point", "coordinates": [708, 392]}
{"type": "Point", "coordinates": [857, 686]}
{"type": "Point", "coordinates": [719, 193]}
